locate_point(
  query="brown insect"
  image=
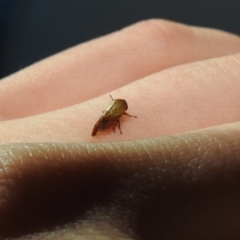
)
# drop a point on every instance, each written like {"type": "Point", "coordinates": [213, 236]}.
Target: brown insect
{"type": "Point", "coordinates": [110, 117]}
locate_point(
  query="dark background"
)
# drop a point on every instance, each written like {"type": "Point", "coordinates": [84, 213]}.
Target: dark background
{"type": "Point", "coordinates": [31, 30]}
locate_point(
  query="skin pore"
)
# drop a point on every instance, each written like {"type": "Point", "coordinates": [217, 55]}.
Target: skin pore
{"type": "Point", "coordinates": [172, 174]}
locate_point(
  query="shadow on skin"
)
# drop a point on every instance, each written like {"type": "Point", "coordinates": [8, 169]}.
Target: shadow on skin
{"type": "Point", "coordinates": [179, 187]}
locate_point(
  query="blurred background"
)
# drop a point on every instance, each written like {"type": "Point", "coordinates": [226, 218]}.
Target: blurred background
{"type": "Point", "coordinates": [31, 30]}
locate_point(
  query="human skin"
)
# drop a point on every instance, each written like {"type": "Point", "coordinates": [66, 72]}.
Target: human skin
{"type": "Point", "coordinates": [172, 174]}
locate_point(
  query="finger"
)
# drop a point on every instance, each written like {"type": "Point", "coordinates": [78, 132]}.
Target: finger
{"type": "Point", "coordinates": [189, 97]}
{"type": "Point", "coordinates": [107, 63]}
{"type": "Point", "coordinates": [133, 189]}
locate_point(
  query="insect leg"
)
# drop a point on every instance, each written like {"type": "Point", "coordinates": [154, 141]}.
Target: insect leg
{"type": "Point", "coordinates": [119, 126]}
{"type": "Point", "coordinates": [111, 97]}
{"type": "Point", "coordinates": [115, 124]}
{"type": "Point", "coordinates": [129, 115]}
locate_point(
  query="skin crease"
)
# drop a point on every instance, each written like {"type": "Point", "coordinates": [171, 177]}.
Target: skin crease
{"type": "Point", "coordinates": [178, 186]}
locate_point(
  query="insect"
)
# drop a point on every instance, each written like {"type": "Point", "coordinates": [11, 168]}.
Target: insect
{"type": "Point", "coordinates": [110, 117]}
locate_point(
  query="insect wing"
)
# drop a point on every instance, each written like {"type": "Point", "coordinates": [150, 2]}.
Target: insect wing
{"type": "Point", "coordinates": [103, 123]}
{"type": "Point", "coordinates": [96, 127]}
{"type": "Point", "coordinates": [116, 108]}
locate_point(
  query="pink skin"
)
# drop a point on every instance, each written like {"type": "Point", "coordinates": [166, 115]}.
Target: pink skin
{"type": "Point", "coordinates": [178, 99]}
{"type": "Point", "coordinates": [175, 78]}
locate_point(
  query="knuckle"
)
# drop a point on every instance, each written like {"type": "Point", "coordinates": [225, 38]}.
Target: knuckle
{"type": "Point", "coordinates": [163, 30]}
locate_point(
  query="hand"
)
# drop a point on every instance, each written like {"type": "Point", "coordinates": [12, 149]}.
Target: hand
{"type": "Point", "coordinates": [179, 181]}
